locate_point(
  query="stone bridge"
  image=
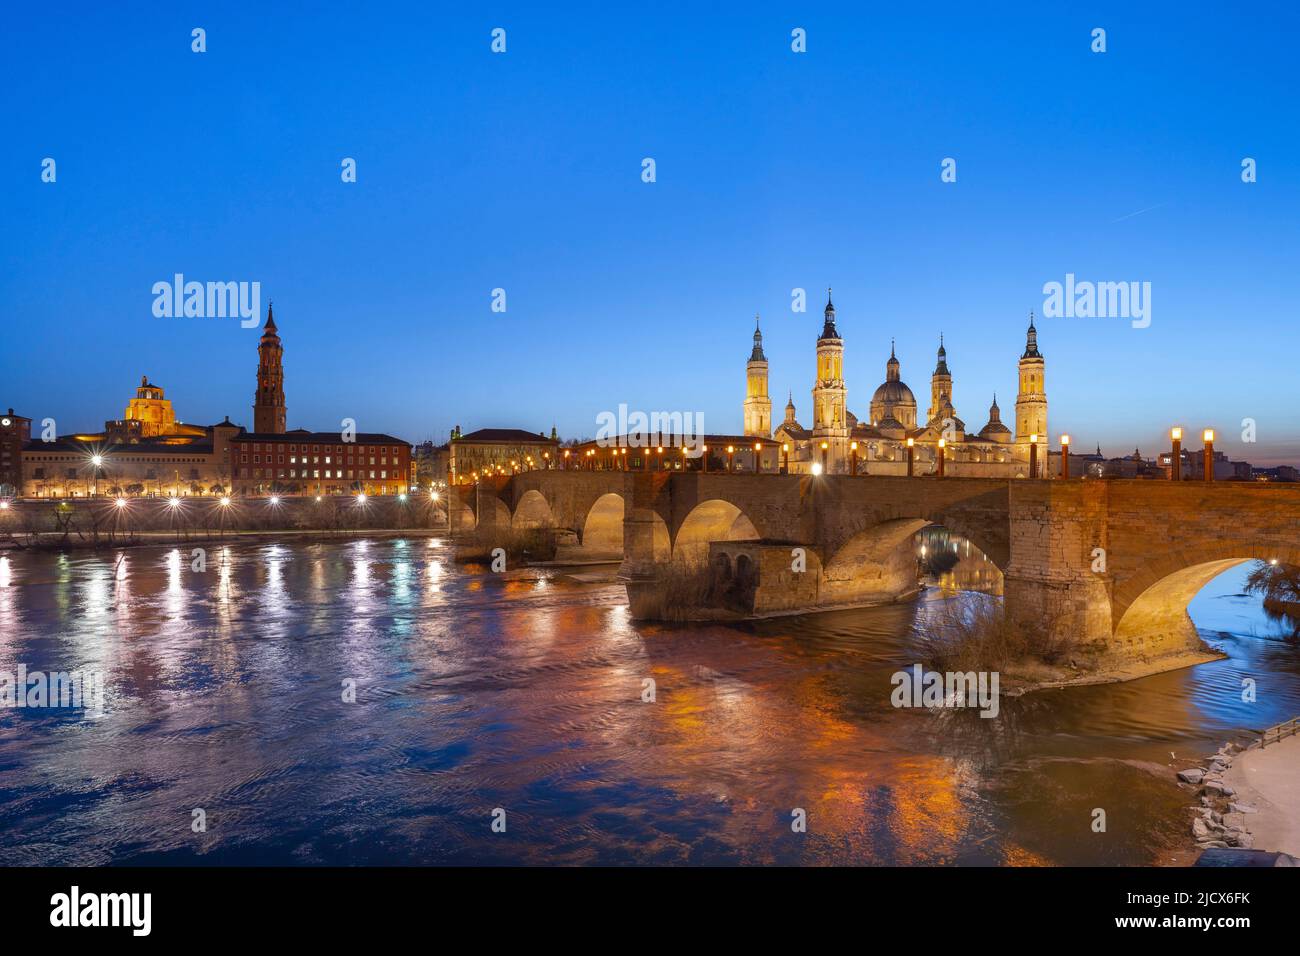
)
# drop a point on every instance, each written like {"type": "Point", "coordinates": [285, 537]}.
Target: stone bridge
{"type": "Point", "coordinates": [1113, 563]}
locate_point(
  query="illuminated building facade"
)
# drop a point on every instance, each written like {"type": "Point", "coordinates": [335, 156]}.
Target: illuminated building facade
{"type": "Point", "coordinates": [499, 451]}
{"type": "Point", "coordinates": [300, 462]}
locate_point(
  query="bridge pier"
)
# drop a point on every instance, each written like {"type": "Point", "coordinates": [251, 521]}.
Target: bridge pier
{"type": "Point", "coordinates": [638, 572]}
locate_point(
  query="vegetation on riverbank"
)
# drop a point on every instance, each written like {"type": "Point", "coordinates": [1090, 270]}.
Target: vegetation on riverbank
{"type": "Point", "coordinates": [1279, 586]}
{"type": "Point", "coordinates": [978, 636]}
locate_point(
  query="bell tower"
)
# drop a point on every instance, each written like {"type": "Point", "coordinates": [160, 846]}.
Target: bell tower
{"type": "Point", "coordinates": [830, 414]}
{"type": "Point", "coordinates": [1031, 402]}
{"type": "Point", "coordinates": [268, 403]}
{"type": "Point", "coordinates": [758, 406]}
{"type": "Point", "coordinates": [940, 388]}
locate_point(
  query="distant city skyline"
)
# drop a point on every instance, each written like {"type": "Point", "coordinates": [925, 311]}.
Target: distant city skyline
{"type": "Point", "coordinates": [774, 171]}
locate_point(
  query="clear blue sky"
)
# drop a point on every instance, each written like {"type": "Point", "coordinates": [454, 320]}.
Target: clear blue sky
{"type": "Point", "coordinates": [775, 170]}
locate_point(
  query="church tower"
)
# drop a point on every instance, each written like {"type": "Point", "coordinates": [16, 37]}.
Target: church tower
{"type": "Point", "coordinates": [268, 403]}
{"type": "Point", "coordinates": [758, 406]}
{"type": "Point", "coordinates": [1031, 403]}
{"type": "Point", "coordinates": [830, 414]}
{"type": "Point", "coordinates": [940, 389]}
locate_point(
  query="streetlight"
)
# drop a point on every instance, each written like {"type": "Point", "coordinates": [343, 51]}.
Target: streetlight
{"type": "Point", "coordinates": [121, 502]}
{"type": "Point", "coordinates": [1033, 455]}
{"type": "Point", "coordinates": [825, 447]}
{"type": "Point", "coordinates": [275, 500]}
{"type": "Point", "coordinates": [731, 454]}
{"type": "Point", "coordinates": [940, 456]}
{"type": "Point", "coordinates": [785, 454]}
{"type": "Point", "coordinates": [1176, 469]}
{"type": "Point", "coordinates": [853, 458]}
{"type": "Point", "coordinates": [1065, 456]}
{"type": "Point", "coordinates": [225, 502]}
{"type": "Point", "coordinates": [1208, 435]}
{"type": "Point", "coordinates": [911, 455]}
{"type": "Point", "coordinates": [758, 457]}
{"type": "Point", "coordinates": [817, 468]}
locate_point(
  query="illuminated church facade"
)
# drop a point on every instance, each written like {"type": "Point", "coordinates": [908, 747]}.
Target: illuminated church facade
{"type": "Point", "coordinates": [839, 442]}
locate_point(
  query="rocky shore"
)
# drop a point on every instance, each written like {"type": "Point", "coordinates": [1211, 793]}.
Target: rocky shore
{"type": "Point", "coordinates": [1219, 819]}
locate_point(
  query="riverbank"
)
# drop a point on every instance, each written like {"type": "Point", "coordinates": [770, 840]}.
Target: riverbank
{"type": "Point", "coordinates": [1267, 779]}
{"type": "Point", "coordinates": [1023, 677]}
{"type": "Point", "coordinates": [156, 538]}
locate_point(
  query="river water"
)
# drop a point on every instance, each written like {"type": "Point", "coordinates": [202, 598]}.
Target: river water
{"type": "Point", "coordinates": [476, 692]}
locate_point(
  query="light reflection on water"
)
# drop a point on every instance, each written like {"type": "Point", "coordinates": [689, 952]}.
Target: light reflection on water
{"type": "Point", "coordinates": [475, 692]}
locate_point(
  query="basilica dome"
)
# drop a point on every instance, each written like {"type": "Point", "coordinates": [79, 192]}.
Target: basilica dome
{"type": "Point", "coordinates": [893, 393]}
{"type": "Point", "coordinates": [893, 399]}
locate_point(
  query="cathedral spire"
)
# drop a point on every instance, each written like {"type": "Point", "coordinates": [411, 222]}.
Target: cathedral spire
{"type": "Point", "coordinates": [1031, 340]}
{"type": "Point", "coordinates": [757, 355]}
{"type": "Point", "coordinates": [941, 367]}
{"type": "Point", "coordinates": [828, 327]}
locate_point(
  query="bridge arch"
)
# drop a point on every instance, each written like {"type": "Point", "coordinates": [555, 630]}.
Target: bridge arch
{"type": "Point", "coordinates": [711, 520]}
{"type": "Point", "coordinates": [1150, 605]}
{"type": "Point", "coordinates": [602, 528]}
{"type": "Point", "coordinates": [533, 511]}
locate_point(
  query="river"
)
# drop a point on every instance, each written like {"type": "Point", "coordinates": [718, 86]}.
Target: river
{"type": "Point", "coordinates": [476, 693]}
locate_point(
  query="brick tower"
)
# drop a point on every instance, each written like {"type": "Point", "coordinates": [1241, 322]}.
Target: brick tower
{"type": "Point", "coordinates": [268, 403]}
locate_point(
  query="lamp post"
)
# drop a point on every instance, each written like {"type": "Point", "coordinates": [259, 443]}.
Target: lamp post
{"type": "Point", "coordinates": [1209, 454]}
{"type": "Point", "coordinates": [706, 459]}
{"type": "Point", "coordinates": [825, 448]}
{"type": "Point", "coordinates": [731, 454]}
{"type": "Point", "coordinates": [853, 458]}
{"type": "Point", "coordinates": [758, 458]}
{"type": "Point", "coordinates": [785, 455]}
{"type": "Point", "coordinates": [940, 456]}
{"type": "Point", "coordinates": [661, 458]}
{"type": "Point", "coordinates": [1033, 455]}
{"type": "Point", "coordinates": [1065, 456]}
{"type": "Point", "coordinates": [911, 455]}
{"type": "Point", "coordinates": [1176, 467]}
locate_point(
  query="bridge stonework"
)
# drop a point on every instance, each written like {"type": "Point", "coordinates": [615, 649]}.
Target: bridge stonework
{"type": "Point", "coordinates": [1110, 563]}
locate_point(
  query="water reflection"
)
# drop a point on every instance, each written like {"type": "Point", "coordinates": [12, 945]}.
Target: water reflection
{"type": "Point", "coordinates": [528, 692]}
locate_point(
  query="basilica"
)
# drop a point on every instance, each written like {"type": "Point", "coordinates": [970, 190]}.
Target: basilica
{"type": "Point", "coordinates": [840, 442]}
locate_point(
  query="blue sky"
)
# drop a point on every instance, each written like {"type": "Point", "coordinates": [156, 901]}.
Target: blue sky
{"type": "Point", "coordinates": [775, 170]}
